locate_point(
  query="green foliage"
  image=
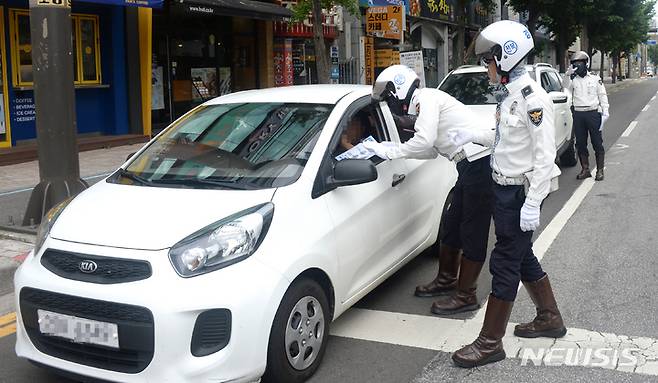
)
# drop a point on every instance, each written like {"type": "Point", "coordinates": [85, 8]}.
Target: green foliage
{"type": "Point", "coordinates": [653, 54]}
{"type": "Point", "coordinates": [304, 7]}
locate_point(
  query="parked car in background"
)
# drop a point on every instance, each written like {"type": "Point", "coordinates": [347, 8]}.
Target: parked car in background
{"type": "Point", "coordinates": [470, 85]}
{"type": "Point", "coordinates": [224, 248]}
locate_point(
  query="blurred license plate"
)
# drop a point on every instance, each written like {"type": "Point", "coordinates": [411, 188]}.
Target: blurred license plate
{"type": "Point", "coordinates": [79, 330]}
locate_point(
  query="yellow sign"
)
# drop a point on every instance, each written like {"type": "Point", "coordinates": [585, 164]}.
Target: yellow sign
{"type": "Point", "coordinates": [51, 3]}
{"type": "Point", "coordinates": [369, 54]}
{"type": "Point", "coordinates": [386, 57]}
{"type": "Point", "coordinates": [386, 21]}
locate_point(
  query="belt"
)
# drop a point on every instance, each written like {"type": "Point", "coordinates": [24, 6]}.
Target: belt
{"type": "Point", "coordinates": [459, 156]}
{"type": "Point", "coordinates": [508, 181]}
{"type": "Point", "coordinates": [585, 108]}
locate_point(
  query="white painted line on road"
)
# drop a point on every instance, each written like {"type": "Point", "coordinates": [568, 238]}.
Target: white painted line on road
{"type": "Point", "coordinates": [448, 335]}
{"type": "Point", "coordinates": [653, 98]}
{"type": "Point", "coordinates": [28, 189]}
{"type": "Point", "coordinates": [646, 107]}
{"type": "Point", "coordinates": [629, 130]}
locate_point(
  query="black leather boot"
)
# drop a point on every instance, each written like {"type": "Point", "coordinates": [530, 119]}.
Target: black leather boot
{"type": "Point", "coordinates": [584, 163]}
{"type": "Point", "coordinates": [600, 164]}
{"type": "Point", "coordinates": [446, 280]}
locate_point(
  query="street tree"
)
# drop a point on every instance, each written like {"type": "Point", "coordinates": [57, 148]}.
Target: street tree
{"type": "Point", "coordinates": [534, 9]}
{"type": "Point", "coordinates": [653, 55]}
{"type": "Point", "coordinates": [560, 18]}
{"type": "Point", "coordinates": [461, 14]}
{"type": "Point", "coordinates": [301, 12]}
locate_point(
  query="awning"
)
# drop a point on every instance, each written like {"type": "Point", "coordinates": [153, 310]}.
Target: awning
{"type": "Point", "coordinates": [132, 3]}
{"type": "Point", "coordinates": [245, 8]}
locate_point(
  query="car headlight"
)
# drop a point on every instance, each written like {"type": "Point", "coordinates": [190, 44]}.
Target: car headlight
{"type": "Point", "coordinates": [47, 223]}
{"type": "Point", "coordinates": [223, 243]}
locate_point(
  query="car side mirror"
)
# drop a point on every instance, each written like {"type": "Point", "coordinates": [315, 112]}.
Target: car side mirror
{"type": "Point", "coordinates": [353, 172]}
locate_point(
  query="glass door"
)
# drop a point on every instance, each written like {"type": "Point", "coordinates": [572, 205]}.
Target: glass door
{"type": "Point", "coordinates": [5, 131]}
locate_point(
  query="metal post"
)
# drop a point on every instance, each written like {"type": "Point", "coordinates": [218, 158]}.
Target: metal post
{"type": "Point", "coordinates": [54, 95]}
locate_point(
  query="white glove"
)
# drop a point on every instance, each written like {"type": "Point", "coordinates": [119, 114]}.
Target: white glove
{"type": "Point", "coordinates": [378, 148]}
{"type": "Point", "coordinates": [461, 137]}
{"type": "Point", "coordinates": [570, 71]}
{"type": "Point", "coordinates": [530, 215]}
{"type": "Point", "coordinates": [604, 118]}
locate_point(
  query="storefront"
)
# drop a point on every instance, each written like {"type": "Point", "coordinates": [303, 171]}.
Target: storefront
{"type": "Point", "coordinates": [99, 67]}
{"type": "Point", "coordinates": [207, 48]}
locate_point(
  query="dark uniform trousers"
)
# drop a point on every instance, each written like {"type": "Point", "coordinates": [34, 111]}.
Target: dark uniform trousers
{"type": "Point", "coordinates": [467, 220]}
{"type": "Point", "coordinates": [588, 123]}
{"type": "Point", "coordinates": [512, 259]}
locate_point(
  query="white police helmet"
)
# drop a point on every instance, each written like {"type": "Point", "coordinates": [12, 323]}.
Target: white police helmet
{"type": "Point", "coordinates": [396, 85]}
{"type": "Point", "coordinates": [580, 56]}
{"type": "Point", "coordinates": [506, 42]}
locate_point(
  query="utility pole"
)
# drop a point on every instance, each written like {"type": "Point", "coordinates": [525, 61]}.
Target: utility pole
{"type": "Point", "coordinates": [54, 96]}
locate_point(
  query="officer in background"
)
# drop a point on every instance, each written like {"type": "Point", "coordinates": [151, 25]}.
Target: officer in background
{"type": "Point", "coordinates": [522, 160]}
{"type": "Point", "coordinates": [468, 218]}
{"type": "Point", "coordinates": [590, 112]}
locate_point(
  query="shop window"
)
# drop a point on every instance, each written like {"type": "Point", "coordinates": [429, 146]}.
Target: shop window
{"type": "Point", "coordinates": [86, 52]}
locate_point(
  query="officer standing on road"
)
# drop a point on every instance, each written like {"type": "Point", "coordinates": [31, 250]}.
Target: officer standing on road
{"type": "Point", "coordinates": [590, 112]}
{"type": "Point", "coordinates": [522, 161]}
{"type": "Point", "coordinates": [468, 218]}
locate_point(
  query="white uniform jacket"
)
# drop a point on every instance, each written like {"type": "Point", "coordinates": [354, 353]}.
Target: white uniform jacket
{"type": "Point", "coordinates": [524, 142]}
{"type": "Point", "coordinates": [438, 113]}
{"type": "Point", "coordinates": [588, 93]}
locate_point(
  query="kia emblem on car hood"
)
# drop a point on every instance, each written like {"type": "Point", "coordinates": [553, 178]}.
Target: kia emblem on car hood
{"type": "Point", "coordinates": [87, 266]}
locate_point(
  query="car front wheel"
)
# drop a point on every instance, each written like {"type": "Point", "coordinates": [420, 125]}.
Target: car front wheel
{"type": "Point", "coordinates": [568, 157]}
{"type": "Point", "coordinates": [299, 334]}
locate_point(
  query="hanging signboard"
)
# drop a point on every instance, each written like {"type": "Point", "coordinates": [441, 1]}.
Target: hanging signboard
{"type": "Point", "coordinates": [369, 54]}
{"type": "Point", "coordinates": [386, 57]}
{"type": "Point", "coordinates": [385, 22]}
{"type": "Point", "coordinates": [414, 60]}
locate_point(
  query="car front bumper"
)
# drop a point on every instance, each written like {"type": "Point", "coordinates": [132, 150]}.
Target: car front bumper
{"type": "Point", "coordinates": [250, 290]}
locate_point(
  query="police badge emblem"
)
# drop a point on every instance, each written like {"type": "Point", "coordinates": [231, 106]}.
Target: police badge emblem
{"type": "Point", "coordinates": [536, 116]}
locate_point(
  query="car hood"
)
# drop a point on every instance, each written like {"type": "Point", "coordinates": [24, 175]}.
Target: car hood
{"type": "Point", "coordinates": [147, 218]}
{"type": "Point", "coordinates": [485, 115]}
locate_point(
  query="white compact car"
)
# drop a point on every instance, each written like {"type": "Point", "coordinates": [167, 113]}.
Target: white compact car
{"type": "Point", "coordinates": [224, 248]}
{"type": "Point", "coordinates": [470, 85]}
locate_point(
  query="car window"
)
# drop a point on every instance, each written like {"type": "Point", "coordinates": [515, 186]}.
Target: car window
{"type": "Point", "coordinates": [469, 88]}
{"type": "Point", "coordinates": [555, 81]}
{"type": "Point", "coordinates": [237, 146]}
{"type": "Point", "coordinates": [358, 126]}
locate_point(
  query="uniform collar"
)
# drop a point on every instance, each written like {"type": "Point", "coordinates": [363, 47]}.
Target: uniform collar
{"type": "Point", "coordinates": [518, 84]}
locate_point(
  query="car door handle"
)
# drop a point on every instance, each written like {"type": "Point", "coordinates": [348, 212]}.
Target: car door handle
{"type": "Point", "coordinates": [560, 100]}
{"type": "Point", "coordinates": [398, 179]}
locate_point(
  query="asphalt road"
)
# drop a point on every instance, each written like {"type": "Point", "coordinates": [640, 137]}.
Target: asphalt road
{"type": "Point", "coordinates": [602, 266]}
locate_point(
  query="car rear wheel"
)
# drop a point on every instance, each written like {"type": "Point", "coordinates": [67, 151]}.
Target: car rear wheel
{"type": "Point", "coordinates": [299, 333]}
{"type": "Point", "coordinates": [568, 157]}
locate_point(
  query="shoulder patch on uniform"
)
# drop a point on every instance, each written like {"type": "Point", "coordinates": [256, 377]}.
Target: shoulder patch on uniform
{"type": "Point", "coordinates": [527, 91]}
{"type": "Point", "coordinates": [536, 116]}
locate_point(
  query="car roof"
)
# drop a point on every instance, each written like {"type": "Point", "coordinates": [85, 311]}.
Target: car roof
{"type": "Point", "coordinates": [312, 94]}
{"type": "Point", "coordinates": [470, 69]}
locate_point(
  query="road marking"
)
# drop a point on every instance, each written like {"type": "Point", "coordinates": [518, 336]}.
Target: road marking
{"type": "Point", "coordinates": [646, 107]}
{"type": "Point", "coordinates": [7, 324]}
{"type": "Point", "coordinates": [653, 98]}
{"type": "Point", "coordinates": [448, 335]}
{"type": "Point", "coordinates": [11, 317]}
{"type": "Point", "coordinates": [28, 189]}
{"type": "Point", "coordinates": [629, 130]}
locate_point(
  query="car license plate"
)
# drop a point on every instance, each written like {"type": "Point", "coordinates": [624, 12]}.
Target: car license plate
{"type": "Point", "coordinates": [79, 330]}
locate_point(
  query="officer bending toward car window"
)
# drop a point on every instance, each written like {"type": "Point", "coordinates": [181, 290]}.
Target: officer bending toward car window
{"type": "Point", "coordinates": [468, 218]}
{"type": "Point", "coordinates": [590, 112]}
{"type": "Point", "coordinates": [522, 160]}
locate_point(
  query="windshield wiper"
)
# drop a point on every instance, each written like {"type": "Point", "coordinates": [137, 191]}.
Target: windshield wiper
{"type": "Point", "coordinates": [201, 182]}
{"type": "Point", "coordinates": [134, 177]}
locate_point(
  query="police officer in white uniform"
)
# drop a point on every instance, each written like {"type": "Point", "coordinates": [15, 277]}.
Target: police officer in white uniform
{"type": "Point", "coordinates": [589, 110]}
{"type": "Point", "coordinates": [522, 161]}
{"type": "Point", "coordinates": [467, 221]}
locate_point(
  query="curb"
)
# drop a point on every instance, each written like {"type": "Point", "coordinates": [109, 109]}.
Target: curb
{"type": "Point", "coordinates": [8, 265]}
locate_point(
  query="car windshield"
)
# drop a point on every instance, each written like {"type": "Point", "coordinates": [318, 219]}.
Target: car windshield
{"type": "Point", "coordinates": [469, 88]}
{"type": "Point", "coordinates": [231, 146]}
